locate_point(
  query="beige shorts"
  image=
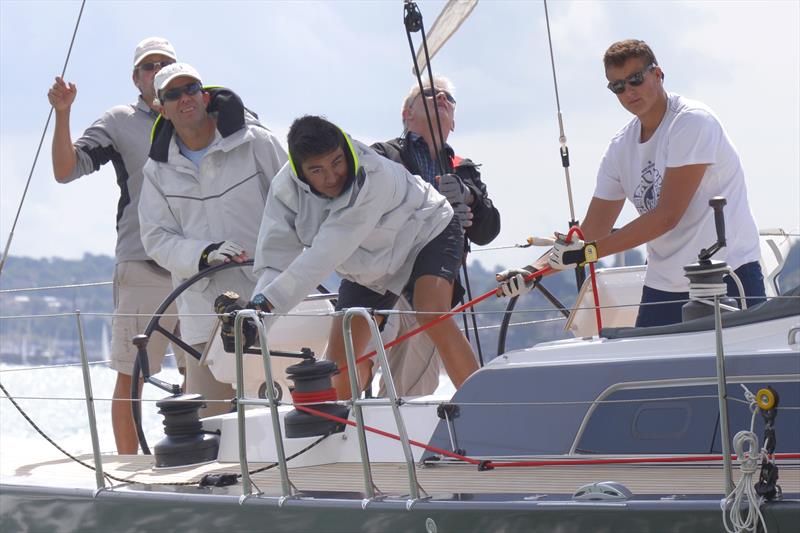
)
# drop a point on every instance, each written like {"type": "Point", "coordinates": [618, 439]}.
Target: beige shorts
{"type": "Point", "coordinates": [139, 288]}
{"type": "Point", "coordinates": [200, 380]}
{"type": "Point", "coordinates": [414, 363]}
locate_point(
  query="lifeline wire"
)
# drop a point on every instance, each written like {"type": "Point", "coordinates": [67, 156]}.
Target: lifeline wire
{"type": "Point", "coordinates": [111, 478]}
{"type": "Point", "coordinates": [39, 148]}
{"type": "Point", "coordinates": [413, 22]}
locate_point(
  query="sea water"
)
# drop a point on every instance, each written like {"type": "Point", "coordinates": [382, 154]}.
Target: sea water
{"type": "Point", "coordinates": [53, 398]}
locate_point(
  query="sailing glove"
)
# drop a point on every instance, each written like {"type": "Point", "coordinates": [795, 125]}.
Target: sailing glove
{"type": "Point", "coordinates": [513, 281]}
{"type": "Point", "coordinates": [464, 214]}
{"type": "Point", "coordinates": [219, 253]}
{"type": "Point", "coordinates": [226, 306]}
{"type": "Point", "coordinates": [452, 188]}
{"type": "Point", "coordinates": [566, 255]}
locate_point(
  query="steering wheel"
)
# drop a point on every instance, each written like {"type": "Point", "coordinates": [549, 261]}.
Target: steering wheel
{"type": "Point", "coordinates": [512, 302]}
{"type": "Point", "coordinates": [141, 366]}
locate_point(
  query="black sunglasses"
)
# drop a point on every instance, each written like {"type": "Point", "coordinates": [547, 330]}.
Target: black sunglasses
{"type": "Point", "coordinates": [635, 79]}
{"type": "Point", "coordinates": [431, 93]}
{"type": "Point", "coordinates": [154, 65]}
{"type": "Point", "coordinates": [175, 94]}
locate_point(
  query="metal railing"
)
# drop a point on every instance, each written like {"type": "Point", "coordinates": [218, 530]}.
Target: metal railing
{"type": "Point", "coordinates": [369, 486]}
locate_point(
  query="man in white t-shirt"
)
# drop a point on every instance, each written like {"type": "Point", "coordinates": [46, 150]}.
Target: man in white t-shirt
{"type": "Point", "coordinates": [669, 160]}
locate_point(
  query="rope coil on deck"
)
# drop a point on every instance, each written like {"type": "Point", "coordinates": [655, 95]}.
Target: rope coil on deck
{"type": "Point", "coordinates": [744, 496]}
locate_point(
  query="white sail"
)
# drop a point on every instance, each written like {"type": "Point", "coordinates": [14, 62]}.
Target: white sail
{"type": "Point", "coordinates": [454, 13]}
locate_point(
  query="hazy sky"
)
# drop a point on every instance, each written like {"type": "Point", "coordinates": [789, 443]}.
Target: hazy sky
{"type": "Point", "coordinates": [350, 61]}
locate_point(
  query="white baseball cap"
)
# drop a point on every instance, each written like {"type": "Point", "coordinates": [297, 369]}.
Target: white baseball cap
{"type": "Point", "coordinates": [175, 70]}
{"type": "Point", "coordinates": [151, 46]}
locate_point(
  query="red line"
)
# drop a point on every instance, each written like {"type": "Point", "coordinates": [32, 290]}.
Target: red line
{"type": "Point", "coordinates": [576, 229]}
{"type": "Point", "coordinates": [440, 451]}
{"type": "Point", "coordinates": [441, 318]}
{"type": "Point", "coordinates": [546, 462]}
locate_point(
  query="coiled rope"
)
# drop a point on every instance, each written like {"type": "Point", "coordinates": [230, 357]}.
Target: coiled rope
{"type": "Point", "coordinates": [744, 496]}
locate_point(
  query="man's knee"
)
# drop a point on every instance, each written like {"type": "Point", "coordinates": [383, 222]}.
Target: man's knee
{"type": "Point", "coordinates": [429, 308]}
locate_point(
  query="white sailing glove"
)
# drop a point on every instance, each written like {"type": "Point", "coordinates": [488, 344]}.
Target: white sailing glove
{"type": "Point", "coordinates": [566, 255]}
{"type": "Point", "coordinates": [513, 282]}
{"type": "Point", "coordinates": [224, 253]}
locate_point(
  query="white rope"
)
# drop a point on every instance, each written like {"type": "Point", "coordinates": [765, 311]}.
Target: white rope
{"type": "Point", "coordinates": [707, 290]}
{"type": "Point", "coordinates": [744, 496]}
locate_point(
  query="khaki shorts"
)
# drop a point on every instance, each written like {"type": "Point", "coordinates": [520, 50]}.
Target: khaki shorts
{"type": "Point", "coordinates": [200, 380]}
{"type": "Point", "coordinates": [414, 363]}
{"type": "Point", "coordinates": [139, 288]}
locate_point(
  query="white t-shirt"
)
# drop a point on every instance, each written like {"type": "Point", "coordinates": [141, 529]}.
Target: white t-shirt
{"type": "Point", "coordinates": [689, 134]}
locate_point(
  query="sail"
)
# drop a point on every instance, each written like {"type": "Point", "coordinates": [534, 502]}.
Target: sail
{"type": "Point", "coordinates": [454, 13]}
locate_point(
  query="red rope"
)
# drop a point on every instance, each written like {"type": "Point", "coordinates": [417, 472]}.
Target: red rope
{"type": "Point", "coordinates": [547, 462]}
{"type": "Point", "coordinates": [434, 449]}
{"type": "Point", "coordinates": [441, 318]}
{"type": "Point", "coordinates": [327, 395]}
{"type": "Point", "coordinates": [576, 229]}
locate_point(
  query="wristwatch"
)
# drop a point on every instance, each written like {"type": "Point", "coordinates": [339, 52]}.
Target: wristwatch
{"type": "Point", "coordinates": [260, 303]}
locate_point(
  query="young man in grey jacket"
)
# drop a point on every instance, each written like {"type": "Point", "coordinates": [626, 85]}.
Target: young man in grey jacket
{"type": "Point", "coordinates": [122, 136]}
{"type": "Point", "coordinates": [204, 192]}
{"type": "Point", "coordinates": [337, 205]}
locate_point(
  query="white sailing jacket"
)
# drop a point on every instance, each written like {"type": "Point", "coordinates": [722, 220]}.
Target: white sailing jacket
{"type": "Point", "coordinates": [371, 234]}
{"type": "Point", "coordinates": [184, 209]}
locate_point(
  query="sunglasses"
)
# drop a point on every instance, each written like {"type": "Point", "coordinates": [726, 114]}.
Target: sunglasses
{"type": "Point", "coordinates": [431, 93]}
{"type": "Point", "coordinates": [175, 94]}
{"type": "Point", "coordinates": [154, 65]}
{"type": "Point", "coordinates": [635, 79]}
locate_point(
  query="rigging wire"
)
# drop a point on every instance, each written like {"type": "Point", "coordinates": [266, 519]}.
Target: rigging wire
{"type": "Point", "coordinates": [412, 21]}
{"type": "Point", "coordinates": [580, 273]}
{"type": "Point", "coordinates": [39, 148]}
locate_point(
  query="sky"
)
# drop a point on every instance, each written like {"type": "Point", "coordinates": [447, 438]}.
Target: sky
{"type": "Point", "coordinates": [350, 61]}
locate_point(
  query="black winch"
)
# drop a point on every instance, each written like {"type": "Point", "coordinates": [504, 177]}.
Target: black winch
{"type": "Point", "coordinates": [186, 442]}
{"type": "Point", "coordinates": [312, 383]}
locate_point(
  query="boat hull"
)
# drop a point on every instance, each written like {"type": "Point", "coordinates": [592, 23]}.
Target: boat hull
{"type": "Point", "coordinates": [27, 508]}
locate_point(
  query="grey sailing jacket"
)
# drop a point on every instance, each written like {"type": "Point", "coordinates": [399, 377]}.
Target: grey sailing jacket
{"type": "Point", "coordinates": [371, 234]}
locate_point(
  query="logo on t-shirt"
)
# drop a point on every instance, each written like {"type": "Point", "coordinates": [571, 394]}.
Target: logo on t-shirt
{"type": "Point", "coordinates": [645, 197]}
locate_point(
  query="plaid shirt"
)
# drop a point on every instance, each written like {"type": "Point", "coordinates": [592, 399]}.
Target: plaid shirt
{"type": "Point", "coordinates": [428, 167]}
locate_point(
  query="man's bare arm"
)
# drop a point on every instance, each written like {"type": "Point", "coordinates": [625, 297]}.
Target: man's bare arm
{"type": "Point", "coordinates": [61, 97]}
{"type": "Point", "coordinates": [677, 190]}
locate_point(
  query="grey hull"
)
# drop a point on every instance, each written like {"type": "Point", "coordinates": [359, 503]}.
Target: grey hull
{"type": "Point", "coordinates": [33, 509]}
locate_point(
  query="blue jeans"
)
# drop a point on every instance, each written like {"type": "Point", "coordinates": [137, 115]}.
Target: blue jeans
{"type": "Point", "coordinates": [671, 303]}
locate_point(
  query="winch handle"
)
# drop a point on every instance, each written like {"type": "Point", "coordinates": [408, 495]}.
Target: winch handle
{"type": "Point", "coordinates": [717, 203]}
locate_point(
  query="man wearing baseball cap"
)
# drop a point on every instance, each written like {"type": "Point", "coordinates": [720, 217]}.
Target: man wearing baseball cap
{"type": "Point", "coordinates": [122, 135]}
{"type": "Point", "coordinates": [205, 186]}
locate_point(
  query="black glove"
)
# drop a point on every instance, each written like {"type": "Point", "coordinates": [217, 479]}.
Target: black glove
{"type": "Point", "coordinates": [226, 306]}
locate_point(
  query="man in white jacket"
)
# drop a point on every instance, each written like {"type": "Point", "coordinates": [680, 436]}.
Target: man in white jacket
{"type": "Point", "coordinates": [204, 190]}
{"type": "Point", "coordinates": [337, 205]}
